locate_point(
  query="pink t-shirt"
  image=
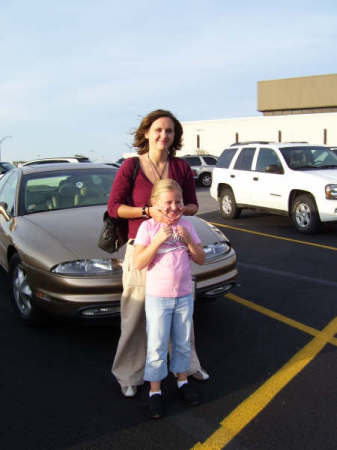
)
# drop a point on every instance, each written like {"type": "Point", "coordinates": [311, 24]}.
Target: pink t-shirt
{"type": "Point", "coordinates": [169, 274]}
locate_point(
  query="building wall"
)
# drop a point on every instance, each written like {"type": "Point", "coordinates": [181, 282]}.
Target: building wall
{"type": "Point", "coordinates": [296, 95]}
{"type": "Point", "coordinates": [216, 135]}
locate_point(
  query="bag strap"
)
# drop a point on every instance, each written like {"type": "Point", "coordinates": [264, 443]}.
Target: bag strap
{"type": "Point", "coordinates": [135, 170]}
{"type": "Point", "coordinates": [134, 174]}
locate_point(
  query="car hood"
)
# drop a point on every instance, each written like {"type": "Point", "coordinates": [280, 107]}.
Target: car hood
{"type": "Point", "coordinates": [52, 237]}
{"type": "Point", "coordinates": [325, 175]}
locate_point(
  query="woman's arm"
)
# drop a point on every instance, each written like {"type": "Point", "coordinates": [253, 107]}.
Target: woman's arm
{"type": "Point", "coordinates": [187, 183]}
{"type": "Point", "coordinates": [190, 209]}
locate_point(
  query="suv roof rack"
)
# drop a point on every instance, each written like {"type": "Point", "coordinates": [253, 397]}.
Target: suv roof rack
{"type": "Point", "coordinates": [294, 142]}
{"type": "Point", "coordinates": [252, 142]}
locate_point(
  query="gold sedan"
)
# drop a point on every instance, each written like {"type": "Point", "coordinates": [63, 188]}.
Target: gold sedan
{"type": "Point", "coordinates": [50, 220]}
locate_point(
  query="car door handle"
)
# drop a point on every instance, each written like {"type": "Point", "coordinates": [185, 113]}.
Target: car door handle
{"type": "Point", "coordinates": [232, 176]}
{"type": "Point", "coordinates": [256, 178]}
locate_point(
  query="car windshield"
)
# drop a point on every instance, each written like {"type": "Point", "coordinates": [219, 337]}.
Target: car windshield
{"type": "Point", "coordinates": [65, 189]}
{"type": "Point", "coordinates": [309, 157]}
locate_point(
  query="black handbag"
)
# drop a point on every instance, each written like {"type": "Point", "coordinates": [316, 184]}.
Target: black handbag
{"type": "Point", "coordinates": [114, 233]}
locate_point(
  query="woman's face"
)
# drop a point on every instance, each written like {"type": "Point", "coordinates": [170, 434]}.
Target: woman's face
{"type": "Point", "coordinates": [160, 134]}
{"type": "Point", "coordinates": [170, 203]}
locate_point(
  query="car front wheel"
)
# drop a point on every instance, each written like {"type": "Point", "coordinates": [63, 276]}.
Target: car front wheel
{"type": "Point", "coordinates": [304, 214]}
{"type": "Point", "coordinates": [228, 206]}
{"type": "Point", "coordinates": [21, 293]}
{"type": "Point", "coordinates": [206, 179]}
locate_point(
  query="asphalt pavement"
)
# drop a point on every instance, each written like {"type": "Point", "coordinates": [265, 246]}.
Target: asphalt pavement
{"type": "Point", "coordinates": [269, 345]}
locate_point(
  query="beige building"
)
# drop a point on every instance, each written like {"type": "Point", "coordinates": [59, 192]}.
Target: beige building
{"type": "Point", "coordinates": [295, 109]}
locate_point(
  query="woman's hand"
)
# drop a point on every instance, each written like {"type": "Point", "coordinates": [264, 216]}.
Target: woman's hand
{"type": "Point", "coordinates": [161, 216]}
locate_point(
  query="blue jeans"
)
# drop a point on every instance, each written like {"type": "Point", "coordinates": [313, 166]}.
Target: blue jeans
{"type": "Point", "coordinates": [168, 318]}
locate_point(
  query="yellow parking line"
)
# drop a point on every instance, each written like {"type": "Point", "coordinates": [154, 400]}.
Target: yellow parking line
{"type": "Point", "coordinates": [274, 236]}
{"type": "Point", "coordinates": [277, 316]}
{"type": "Point", "coordinates": [253, 405]}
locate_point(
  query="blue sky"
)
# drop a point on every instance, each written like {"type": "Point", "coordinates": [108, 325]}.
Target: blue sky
{"type": "Point", "coordinates": [76, 76]}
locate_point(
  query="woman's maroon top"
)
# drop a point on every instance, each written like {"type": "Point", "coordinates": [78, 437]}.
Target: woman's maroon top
{"type": "Point", "coordinates": [121, 193]}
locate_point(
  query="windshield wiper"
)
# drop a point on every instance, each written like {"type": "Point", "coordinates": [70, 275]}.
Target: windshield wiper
{"type": "Point", "coordinates": [329, 166]}
{"type": "Point", "coordinates": [306, 168]}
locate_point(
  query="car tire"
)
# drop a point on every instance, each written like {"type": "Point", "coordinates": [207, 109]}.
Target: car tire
{"type": "Point", "coordinates": [205, 179]}
{"type": "Point", "coordinates": [304, 214]}
{"type": "Point", "coordinates": [228, 206]}
{"type": "Point", "coordinates": [21, 293]}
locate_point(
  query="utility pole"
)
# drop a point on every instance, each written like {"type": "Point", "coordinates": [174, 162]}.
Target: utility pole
{"type": "Point", "coordinates": [1, 141]}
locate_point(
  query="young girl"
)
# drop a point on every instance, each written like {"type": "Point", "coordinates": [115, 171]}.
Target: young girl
{"type": "Point", "coordinates": [165, 250]}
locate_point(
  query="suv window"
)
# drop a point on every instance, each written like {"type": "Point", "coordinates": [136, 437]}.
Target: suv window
{"type": "Point", "coordinates": [193, 161]}
{"type": "Point", "coordinates": [209, 160]}
{"type": "Point", "coordinates": [245, 158]}
{"type": "Point", "coordinates": [226, 158]}
{"type": "Point", "coordinates": [267, 157]}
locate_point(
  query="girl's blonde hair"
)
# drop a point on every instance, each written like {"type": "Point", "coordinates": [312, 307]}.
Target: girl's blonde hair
{"type": "Point", "coordinates": [165, 185]}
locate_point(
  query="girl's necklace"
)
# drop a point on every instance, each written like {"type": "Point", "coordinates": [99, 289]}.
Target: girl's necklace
{"type": "Point", "coordinates": [155, 172]}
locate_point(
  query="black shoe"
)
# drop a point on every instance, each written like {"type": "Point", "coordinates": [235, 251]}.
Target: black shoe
{"type": "Point", "coordinates": [189, 395]}
{"type": "Point", "coordinates": [156, 406]}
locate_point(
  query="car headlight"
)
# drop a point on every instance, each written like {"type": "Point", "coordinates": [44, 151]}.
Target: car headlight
{"type": "Point", "coordinates": [215, 250]}
{"type": "Point", "coordinates": [331, 191]}
{"type": "Point", "coordinates": [87, 267]}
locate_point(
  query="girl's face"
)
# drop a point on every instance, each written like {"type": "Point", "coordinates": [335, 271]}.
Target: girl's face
{"type": "Point", "coordinates": [170, 203]}
{"type": "Point", "coordinates": [160, 134]}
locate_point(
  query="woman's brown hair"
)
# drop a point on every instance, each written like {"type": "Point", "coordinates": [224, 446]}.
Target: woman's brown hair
{"type": "Point", "coordinates": [140, 141]}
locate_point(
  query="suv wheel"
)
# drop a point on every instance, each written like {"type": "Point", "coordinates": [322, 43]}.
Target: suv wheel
{"type": "Point", "coordinates": [228, 206]}
{"type": "Point", "coordinates": [206, 179]}
{"type": "Point", "coordinates": [304, 214]}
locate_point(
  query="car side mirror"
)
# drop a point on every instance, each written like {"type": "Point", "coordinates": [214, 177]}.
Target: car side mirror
{"type": "Point", "coordinates": [274, 168]}
{"type": "Point", "coordinates": [3, 211]}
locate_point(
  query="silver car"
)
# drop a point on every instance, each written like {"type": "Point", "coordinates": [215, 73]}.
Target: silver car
{"type": "Point", "coordinates": [202, 167]}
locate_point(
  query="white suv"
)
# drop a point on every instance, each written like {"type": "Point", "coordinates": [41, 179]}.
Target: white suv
{"type": "Point", "coordinates": [294, 179]}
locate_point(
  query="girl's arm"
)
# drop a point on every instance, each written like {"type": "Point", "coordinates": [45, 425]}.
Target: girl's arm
{"type": "Point", "coordinates": [196, 251]}
{"type": "Point", "coordinates": [143, 255]}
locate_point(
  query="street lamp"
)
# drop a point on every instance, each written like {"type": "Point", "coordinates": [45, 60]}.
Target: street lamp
{"type": "Point", "coordinates": [1, 141]}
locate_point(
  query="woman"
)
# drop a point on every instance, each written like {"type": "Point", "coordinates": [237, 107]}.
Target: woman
{"type": "Point", "coordinates": [157, 138]}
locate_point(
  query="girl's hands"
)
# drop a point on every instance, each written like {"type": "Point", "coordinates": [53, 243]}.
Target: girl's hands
{"type": "Point", "coordinates": [184, 234]}
{"type": "Point", "coordinates": [163, 234]}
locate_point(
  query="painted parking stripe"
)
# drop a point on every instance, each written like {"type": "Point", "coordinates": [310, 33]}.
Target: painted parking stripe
{"type": "Point", "coordinates": [275, 236]}
{"type": "Point", "coordinates": [293, 275]}
{"type": "Point", "coordinates": [231, 426]}
{"type": "Point", "coordinates": [277, 316]}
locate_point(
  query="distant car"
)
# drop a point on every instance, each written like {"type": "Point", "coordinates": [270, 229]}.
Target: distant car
{"type": "Point", "coordinates": [50, 221]}
{"type": "Point", "coordinates": [117, 163]}
{"type": "Point", "coordinates": [5, 166]}
{"type": "Point", "coordinates": [66, 159]}
{"type": "Point", "coordinates": [294, 179]}
{"type": "Point", "coordinates": [202, 167]}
